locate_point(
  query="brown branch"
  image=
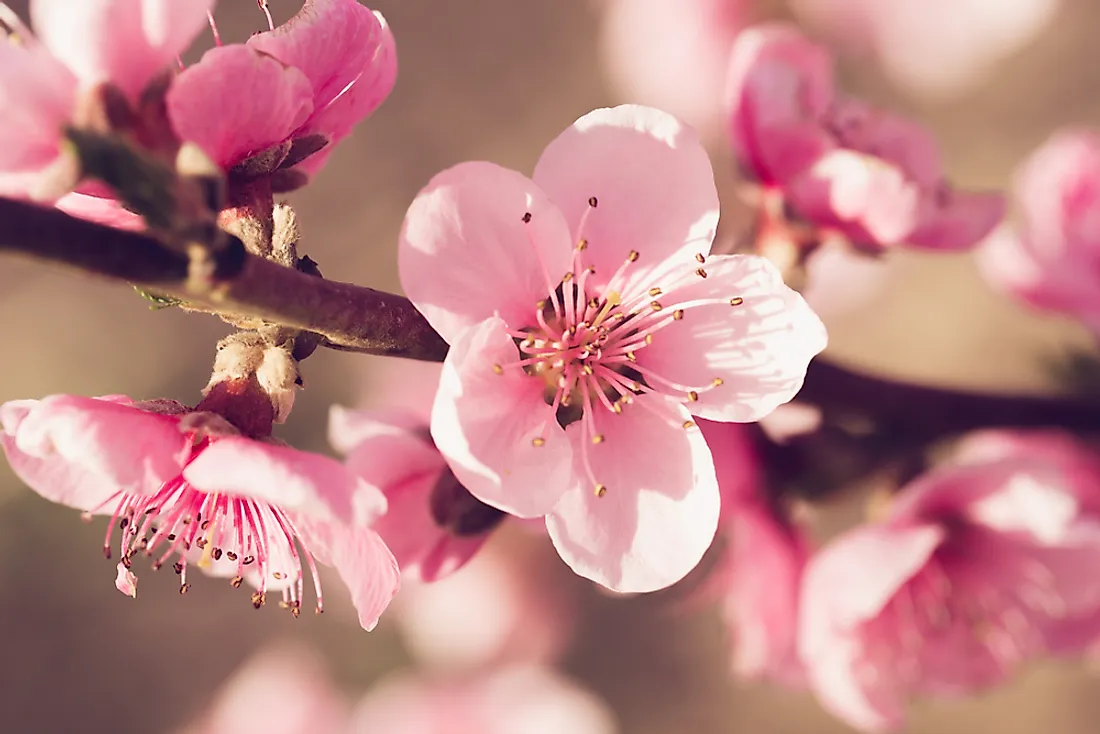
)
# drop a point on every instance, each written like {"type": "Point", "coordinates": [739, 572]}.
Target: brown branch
{"type": "Point", "coordinates": [354, 318]}
{"type": "Point", "coordinates": [347, 316]}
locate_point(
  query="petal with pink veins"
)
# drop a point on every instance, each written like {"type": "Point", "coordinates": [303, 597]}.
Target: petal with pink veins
{"type": "Point", "coordinates": [759, 348]}
{"type": "Point", "coordinates": [72, 449]}
{"type": "Point", "coordinates": [467, 253]}
{"type": "Point", "coordinates": [659, 511]}
{"type": "Point", "coordinates": [125, 42]}
{"type": "Point", "coordinates": [499, 436]}
{"type": "Point", "coordinates": [285, 477]}
{"type": "Point", "coordinates": [370, 571]}
{"type": "Point", "coordinates": [651, 181]}
{"type": "Point", "coordinates": [237, 101]}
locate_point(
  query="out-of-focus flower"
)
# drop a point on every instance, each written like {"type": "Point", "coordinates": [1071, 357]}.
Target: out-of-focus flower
{"type": "Point", "coordinates": [980, 566]}
{"type": "Point", "coordinates": [281, 691]}
{"type": "Point", "coordinates": [673, 54]}
{"type": "Point", "coordinates": [191, 485]}
{"type": "Point", "coordinates": [432, 523]}
{"type": "Point", "coordinates": [759, 574]}
{"type": "Point", "coordinates": [587, 326]}
{"type": "Point", "coordinates": [124, 43]}
{"type": "Point", "coordinates": [283, 98]}
{"type": "Point", "coordinates": [1054, 261]}
{"type": "Point", "coordinates": [935, 48]}
{"type": "Point", "coordinates": [514, 700]}
{"type": "Point", "coordinates": [837, 164]}
{"type": "Point", "coordinates": [509, 605]}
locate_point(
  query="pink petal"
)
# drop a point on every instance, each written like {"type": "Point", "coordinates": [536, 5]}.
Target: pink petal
{"type": "Point", "coordinates": [960, 222]}
{"type": "Point", "coordinates": [71, 449]}
{"type": "Point", "coordinates": [37, 97]}
{"type": "Point", "coordinates": [237, 101]}
{"type": "Point", "coordinates": [487, 425]}
{"type": "Point", "coordinates": [660, 509]}
{"type": "Point", "coordinates": [126, 581]}
{"type": "Point", "coordinates": [760, 348]}
{"type": "Point", "coordinates": [349, 429]}
{"type": "Point", "coordinates": [285, 477]}
{"type": "Point", "coordinates": [125, 42]}
{"type": "Point", "coordinates": [370, 572]}
{"type": "Point", "coordinates": [100, 210]}
{"type": "Point", "coordinates": [778, 87]}
{"type": "Point", "coordinates": [652, 182]}
{"type": "Point", "coordinates": [466, 253]}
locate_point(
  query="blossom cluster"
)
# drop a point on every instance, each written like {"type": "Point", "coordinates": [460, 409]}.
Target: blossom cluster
{"type": "Point", "coordinates": [617, 380]}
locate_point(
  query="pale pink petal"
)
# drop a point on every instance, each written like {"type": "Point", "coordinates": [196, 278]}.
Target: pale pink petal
{"type": "Point", "coordinates": [370, 572]}
{"type": "Point", "coordinates": [236, 102]}
{"type": "Point", "coordinates": [72, 448]}
{"type": "Point", "coordinates": [349, 429]}
{"type": "Point", "coordinates": [659, 511]}
{"type": "Point", "coordinates": [652, 183]}
{"type": "Point", "coordinates": [285, 477]}
{"type": "Point", "coordinates": [496, 431]}
{"type": "Point", "coordinates": [126, 581]}
{"type": "Point", "coordinates": [100, 210]}
{"type": "Point", "coordinates": [37, 97]}
{"type": "Point", "coordinates": [779, 85]}
{"type": "Point", "coordinates": [759, 348]}
{"type": "Point", "coordinates": [958, 221]}
{"type": "Point", "coordinates": [466, 252]}
{"type": "Point", "coordinates": [125, 42]}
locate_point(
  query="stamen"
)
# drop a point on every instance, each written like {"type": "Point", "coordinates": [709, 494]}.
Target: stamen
{"type": "Point", "coordinates": [214, 30]}
{"type": "Point", "coordinates": [267, 14]}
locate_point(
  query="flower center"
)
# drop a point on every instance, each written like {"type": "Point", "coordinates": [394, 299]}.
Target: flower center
{"type": "Point", "coordinates": [226, 536]}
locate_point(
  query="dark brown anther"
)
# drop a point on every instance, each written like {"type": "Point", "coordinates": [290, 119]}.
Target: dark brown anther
{"type": "Point", "coordinates": [235, 582]}
{"type": "Point", "coordinates": [123, 523]}
{"type": "Point", "coordinates": [527, 218]}
{"type": "Point", "coordinates": [205, 526]}
{"type": "Point", "coordinates": [107, 552]}
{"type": "Point", "coordinates": [278, 575]}
{"type": "Point", "coordinates": [593, 202]}
{"type": "Point", "coordinates": [201, 542]}
{"type": "Point", "coordinates": [231, 555]}
{"type": "Point", "coordinates": [217, 554]}
{"type": "Point", "coordinates": [157, 565]}
{"type": "Point", "coordinates": [127, 562]}
{"type": "Point", "coordinates": [171, 536]}
{"type": "Point", "coordinates": [248, 560]}
{"type": "Point", "coordinates": [177, 567]}
{"type": "Point", "coordinates": [184, 588]}
{"type": "Point", "coordinates": [258, 599]}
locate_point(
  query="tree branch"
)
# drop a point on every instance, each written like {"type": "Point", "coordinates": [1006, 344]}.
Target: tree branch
{"type": "Point", "coordinates": [354, 318]}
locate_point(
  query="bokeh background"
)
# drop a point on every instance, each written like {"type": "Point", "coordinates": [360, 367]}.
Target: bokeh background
{"type": "Point", "coordinates": [495, 80]}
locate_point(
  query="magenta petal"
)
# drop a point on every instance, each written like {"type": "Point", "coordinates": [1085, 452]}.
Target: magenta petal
{"type": "Point", "coordinates": [466, 252]}
{"type": "Point", "coordinates": [659, 512]}
{"type": "Point", "coordinates": [237, 101]}
{"type": "Point", "coordinates": [100, 210]}
{"type": "Point", "coordinates": [496, 431]}
{"type": "Point", "coordinates": [962, 221]}
{"type": "Point", "coordinates": [285, 477]}
{"type": "Point", "coordinates": [125, 42]}
{"type": "Point", "coordinates": [652, 181]}
{"type": "Point", "coordinates": [759, 348]}
{"type": "Point", "coordinates": [73, 450]}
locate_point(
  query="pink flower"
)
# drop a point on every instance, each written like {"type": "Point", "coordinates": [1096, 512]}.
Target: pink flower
{"type": "Point", "coordinates": [936, 48]}
{"type": "Point", "coordinates": [515, 700]}
{"type": "Point", "coordinates": [980, 566]}
{"type": "Point", "coordinates": [79, 45]}
{"type": "Point", "coordinates": [509, 605]}
{"type": "Point", "coordinates": [433, 525]}
{"type": "Point", "coordinates": [1054, 261]}
{"type": "Point", "coordinates": [587, 325]}
{"type": "Point", "coordinates": [844, 167]}
{"type": "Point", "coordinates": [280, 691]}
{"type": "Point", "coordinates": [189, 485]}
{"type": "Point", "coordinates": [278, 99]}
{"type": "Point", "coordinates": [672, 54]}
{"type": "Point", "coordinates": [760, 573]}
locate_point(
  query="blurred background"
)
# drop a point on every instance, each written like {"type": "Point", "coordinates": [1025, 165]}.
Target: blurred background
{"type": "Point", "coordinates": [494, 80]}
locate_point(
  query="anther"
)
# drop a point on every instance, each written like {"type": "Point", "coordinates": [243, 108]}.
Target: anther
{"type": "Point", "coordinates": [157, 565]}
{"type": "Point", "coordinates": [598, 438]}
{"type": "Point", "coordinates": [184, 588]}
{"type": "Point", "coordinates": [700, 258]}
{"type": "Point", "coordinates": [526, 217]}
{"type": "Point", "coordinates": [258, 599]}
{"type": "Point", "coordinates": [236, 582]}
{"type": "Point", "coordinates": [567, 277]}
{"type": "Point", "coordinates": [593, 202]}
{"type": "Point", "coordinates": [277, 575]}
{"type": "Point", "coordinates": [231, 555]}
{"type": "Point", "coordinates": [701, 273]}
{"type": "Point", "coordinates": [582, 245]}
{"type": "Point", "coordinates": [655, 305]}
{"type": "Point", "coordinates": [538, 441]}
{"type": "Point", "coordinates": [171, 536]}
{"type": "Point", "coordinates": [717, 382]}
{"type": "Point", "coordinates": [205, 526]}
{"type": "Point", "coordinates": [498, 369]}
{"type": "Point", "coordinates": [632, 256]}
{"type": "Point", "coordinates": [631, 356]}
{"type": "Point", "coordinates": [654, 291]}
{"type": "Point", "coordinates": [587, 369]}
{"type": "Point", "coordinates": [689, 424]}
{"type": "Point", "coordinates": [649, 338]}
{"type": "Point", "coordinates": [678, 314]}
{"type": "Point", "coordinates": [736, 301]}
{"type": "Point", "coordinates": [617, 407]}
{"type": "Point", "coordinates": [217, 554]}
{"type": "Point", "coordinates": [249, 560]}
{"type": "Point", "coordinates": [177, 567]}
{"type": "Point", "coordinates": [693, 396]}
{"type": "Point", "coordinates": [601, 490]}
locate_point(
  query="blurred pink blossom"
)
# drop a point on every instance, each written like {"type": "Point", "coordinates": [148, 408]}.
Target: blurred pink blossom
{"type": "Point", "coordinates": [433, 524]}
{"type": "Point", "coordinates": [511, 604]}
{"type": "Point", "coordinates": [516, 700]}
{"type": "Point", "coordinates": [980, 565]}
{"type": "Point", "coordinates": [187, 484]}
{"type": "Point", "coordinates": [1053, 262]}
{"type": "Point", "coordinates": [935, 48]}
{"type": "Point", "coordinates": [290, 93]}
{"type": "Point", "coordinates": [672, 54]}
{"type": "Point", "coordinates": [587, 325]}
{"type": "Point", "coordinates": [842, 166]}
{"type": "Point", "coordinates": [760, 571]}
{"type": "Point", "coordinates": [78, 46]}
